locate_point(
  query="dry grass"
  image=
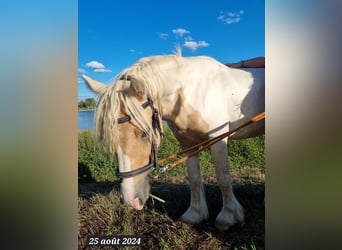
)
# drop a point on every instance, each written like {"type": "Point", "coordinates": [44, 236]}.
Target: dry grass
{"type": "Point", "coordinates": [100, 213]}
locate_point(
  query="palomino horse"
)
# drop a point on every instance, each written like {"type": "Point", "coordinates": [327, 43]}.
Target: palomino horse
{"type": "Point", "coordinates": [199, 98]}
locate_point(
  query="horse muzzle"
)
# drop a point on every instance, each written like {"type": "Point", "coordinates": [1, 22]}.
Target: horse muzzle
{"type": "Point", "coordinates": [136, 203]}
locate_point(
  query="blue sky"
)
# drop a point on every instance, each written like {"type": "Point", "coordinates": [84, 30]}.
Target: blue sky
{"type": "Point", "coordinates": [112, 35]}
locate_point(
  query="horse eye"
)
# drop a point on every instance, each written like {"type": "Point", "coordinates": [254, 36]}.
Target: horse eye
{"type": "Point", "coordinates": [144, 135]}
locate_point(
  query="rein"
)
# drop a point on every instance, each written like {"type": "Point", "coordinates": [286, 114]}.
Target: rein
{"type": "Point", "coordinates": [204, 145]}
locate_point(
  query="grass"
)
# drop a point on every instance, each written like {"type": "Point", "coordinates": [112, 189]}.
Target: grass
{"type": "Point", "coordinates": [100, 211]}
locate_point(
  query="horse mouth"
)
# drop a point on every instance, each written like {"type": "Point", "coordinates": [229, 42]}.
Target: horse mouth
{"type": "Point", "coordinates": [135, 203]}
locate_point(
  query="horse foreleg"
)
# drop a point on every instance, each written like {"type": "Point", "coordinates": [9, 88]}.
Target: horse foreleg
{"type": "Point", "coordinates": [198, 210]}
{"type": "Point", "coordinates": [231, 211]}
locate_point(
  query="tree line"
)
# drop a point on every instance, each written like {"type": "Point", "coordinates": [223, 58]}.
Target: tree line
{"type": "Point", "coordinates": [88, 103]}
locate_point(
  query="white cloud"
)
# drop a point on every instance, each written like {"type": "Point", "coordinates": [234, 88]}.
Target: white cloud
{"type": "Point", "coordinates": [193, 45]}
{"type": "Point", "coordinates": [180, 32]}
{"type": "Point", "coordinates": [102, 70]}
{"type": "Point", "coordinates": [132, 50]}
{"type": "Point", "coordinates": [188, 43]}
{"type": "Point", "coordinates": [95, 65]}
{"type": "Point", "coordinates": [163, 36]}
{"type": "Point", "coordinates": [81, 71]}
{"type": "Point", "coordinates": [98, 67]}
{"type": "Point", "coordinates": [230, 17]}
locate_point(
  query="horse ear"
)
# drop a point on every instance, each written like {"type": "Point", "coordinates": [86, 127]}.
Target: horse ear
{"type": "Point", "coordinates": [96, 86]}
{"type": "Point", "coordinates": [137, 87]}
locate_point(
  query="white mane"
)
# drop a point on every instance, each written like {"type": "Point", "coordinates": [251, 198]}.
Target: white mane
{"type": "Point", "coordinates": [125, 95]}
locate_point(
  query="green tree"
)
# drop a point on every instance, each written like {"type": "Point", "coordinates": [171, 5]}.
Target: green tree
{"type": "Point", "coordinates": [88, 103]}
{"type": "Point", "coordinates": [81, 104]}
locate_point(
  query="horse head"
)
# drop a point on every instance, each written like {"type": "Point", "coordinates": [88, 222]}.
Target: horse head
{"type": "Point", "coordinates": [128, 124]}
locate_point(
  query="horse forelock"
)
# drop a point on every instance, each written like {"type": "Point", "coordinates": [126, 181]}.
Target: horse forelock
{"type": "Point", "coordinates": [120, 98]}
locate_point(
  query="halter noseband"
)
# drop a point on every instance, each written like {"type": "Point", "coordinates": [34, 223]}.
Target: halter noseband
{"type": "Point", "coordinates": [154, 154]}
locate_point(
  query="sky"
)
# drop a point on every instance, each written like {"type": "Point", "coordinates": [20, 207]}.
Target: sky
{"type": "Point", "coordinates": [112, 35]}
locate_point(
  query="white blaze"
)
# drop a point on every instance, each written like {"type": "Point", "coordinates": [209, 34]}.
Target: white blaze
{"type": "Point", "coordinates": [127, 185]}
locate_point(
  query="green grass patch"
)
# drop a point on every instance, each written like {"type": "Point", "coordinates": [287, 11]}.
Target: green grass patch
{"type": "Point", "coordinates": [95, 165]}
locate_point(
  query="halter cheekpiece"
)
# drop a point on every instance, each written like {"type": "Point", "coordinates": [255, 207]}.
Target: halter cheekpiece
{"type": "Point", "coordinates": [154, 153]}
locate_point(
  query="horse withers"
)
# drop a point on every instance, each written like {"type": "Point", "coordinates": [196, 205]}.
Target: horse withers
{"type": "Point", "coordinates": [199, 98]}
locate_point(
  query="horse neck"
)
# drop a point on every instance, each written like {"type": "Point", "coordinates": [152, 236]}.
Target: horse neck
{"type": "Point", "coordinates": [169, 86]}
{"type": "Point", "coordinates": [176, 74]}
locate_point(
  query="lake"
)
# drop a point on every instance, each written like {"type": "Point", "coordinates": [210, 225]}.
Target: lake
{"type": "Point", "coordinates": [85, 119]}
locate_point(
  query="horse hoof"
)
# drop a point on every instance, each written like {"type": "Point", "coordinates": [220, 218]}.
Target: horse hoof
{"type": "Point", "coordinates": [189, 221]}
{"type": "Point", "coordinates": [224, 226]}
{"type": "Point", "coordinates": [192, 218]}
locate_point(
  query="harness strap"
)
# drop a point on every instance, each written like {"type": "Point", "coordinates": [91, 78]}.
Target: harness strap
{"type": "Point", "coordinates": [156, 121]}
{"type": "Point", "coordinates": [154, 154]}
{"type": "Point", "coordinates": [123, 175]}
{"type": "Point", "coordinates": [127, 118]}
{"type": "Point", "coordinates": [152, 165]}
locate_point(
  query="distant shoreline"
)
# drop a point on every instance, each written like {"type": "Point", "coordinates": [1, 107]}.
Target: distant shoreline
{"type": "Point", "coordinates": [86, 110]}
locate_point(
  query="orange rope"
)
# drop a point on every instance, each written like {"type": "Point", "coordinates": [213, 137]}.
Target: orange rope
{"type": "Point", "coordinates": [206, 144]}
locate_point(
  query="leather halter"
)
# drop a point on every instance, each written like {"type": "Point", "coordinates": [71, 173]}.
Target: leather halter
{"type": "Point", "coordinates": [154, 153]}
